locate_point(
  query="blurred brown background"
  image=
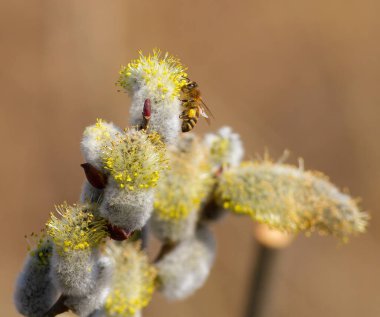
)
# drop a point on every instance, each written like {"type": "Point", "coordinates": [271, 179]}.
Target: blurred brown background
{"type": "Point", "coordinates": [297, 74]}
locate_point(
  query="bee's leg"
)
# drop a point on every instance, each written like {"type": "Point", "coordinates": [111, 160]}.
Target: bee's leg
{"type": "Point", "coordinates": [183, 115]}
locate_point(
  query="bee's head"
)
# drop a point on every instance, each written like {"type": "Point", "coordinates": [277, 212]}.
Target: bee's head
{"type": "Point", "coordinates": [192, 85]}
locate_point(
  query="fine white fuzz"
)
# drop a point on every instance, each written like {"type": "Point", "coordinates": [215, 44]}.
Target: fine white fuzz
{"type": "Point", "coordinates": [95, 138]}
{"type": "Point", "coordinates": [35, 293]}
{"type": "Point", "coordinates": [158, 78]}
{"type": "Point", "coordinates": [225, 146]}
{"type": "Point", "coordinates": [97, 293]}
{"type": "Point", "coordinates": [74, 273]}
{"type": "Point", "coordinates": [90, 194]}
{"type": "Point", "coordinates": [127, 209]}
{"type": "Point", "coordinates": [186, 268]}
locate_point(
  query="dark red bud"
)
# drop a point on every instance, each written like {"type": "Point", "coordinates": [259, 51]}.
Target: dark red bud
{"type": "Point", "coordinates": [117, 233]}
{"type": "Point", "coordinates": [147, 111]}
{"type": "Point", "coordinates": [95, 177]}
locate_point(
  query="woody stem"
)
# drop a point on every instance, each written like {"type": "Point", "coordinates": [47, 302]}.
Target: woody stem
{"type": "Point", "coordinates": [260, 280]}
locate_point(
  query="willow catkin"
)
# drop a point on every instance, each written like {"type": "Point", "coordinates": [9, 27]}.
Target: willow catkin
{"type": "Point", "coordinates": [181, 191]}
{"type": "Point", "coordinates": [135, 162]}
{"type": "Point", "coordinates": [290, 199]}
{"type": "Point", "coordinates": [133, 281]}
{"type": "Point", "coordinates": [158, 77]}
{"type": "Point", "coordinates": [35, 292]}
{"type": "Point", "coordinates": [185, 269]}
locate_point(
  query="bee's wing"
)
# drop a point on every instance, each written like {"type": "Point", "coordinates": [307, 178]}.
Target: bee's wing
{"type": "Point", "coordinates": [204, 115]}
{"type": "Point", "coordinates": [205, 111]}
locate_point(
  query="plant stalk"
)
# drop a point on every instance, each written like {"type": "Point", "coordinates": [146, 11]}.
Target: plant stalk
{"type": "Point", "coordinates": [260, 280]}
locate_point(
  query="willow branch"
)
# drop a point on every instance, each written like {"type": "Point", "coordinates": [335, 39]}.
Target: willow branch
{"type": "Point", "coordinates": [166, 248]}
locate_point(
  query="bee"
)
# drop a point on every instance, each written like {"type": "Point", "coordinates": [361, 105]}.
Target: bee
{"type": "Point", "coordinates": [194, 107]}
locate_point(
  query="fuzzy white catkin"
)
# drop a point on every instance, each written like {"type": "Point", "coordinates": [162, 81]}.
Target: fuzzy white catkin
{"type": "Point", "coordinates": [174, 231]}
{"type": "Point", "coordinates": [225, 147]}
{"type": "Point", "coordinates": [164, 118]}
{"type": "Point", "coordinates": [35, 293]}
{"type": "Point", "coordinates": [181, 190]}
{"type": "Point", "coordinates": [96, 295]}
{"type": "Point", "coordinates": [185, 269]}
{"type": "Point", "coordinates": [98, 313]}
{"type": "Point", "coordinates": [95, 137]}
{"type": "Point", "coordinates": [125, 208]}
{"type": "Point", "coordinates": [158, 77]}
{"type": "Point", "coordinates": [73, 273]}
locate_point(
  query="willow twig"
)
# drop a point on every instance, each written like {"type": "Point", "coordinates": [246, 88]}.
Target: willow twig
{"type": "Point", "coordinates": [269, 243]}
{"type": "Point", "coordinates": [263, 267]}
{"type": "Point", "coordinates": [165, 249]}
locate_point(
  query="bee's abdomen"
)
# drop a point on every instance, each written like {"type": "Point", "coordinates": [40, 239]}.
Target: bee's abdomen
{"type": "Point", "coordinates": [188, 125]}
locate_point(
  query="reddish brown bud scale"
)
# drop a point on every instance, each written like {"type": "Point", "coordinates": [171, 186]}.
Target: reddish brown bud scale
{"type": "Point", "coordinates": [147, 110]}
{"type": "Point", "coordinates": [117, 233]}
{"type": "Point", "coordinates": [95, 177]}
{"type": "Point", "coordinates": [146, 113]}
